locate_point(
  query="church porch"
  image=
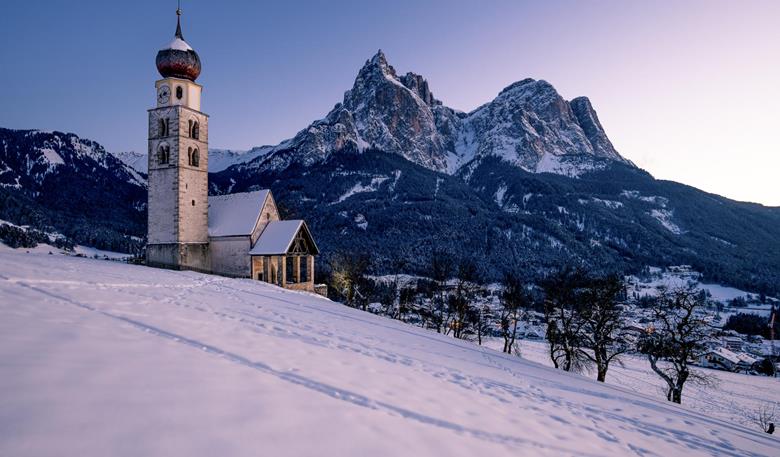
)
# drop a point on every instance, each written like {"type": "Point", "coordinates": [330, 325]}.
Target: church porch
{"type": "Point", "coordinates": [284, 256]}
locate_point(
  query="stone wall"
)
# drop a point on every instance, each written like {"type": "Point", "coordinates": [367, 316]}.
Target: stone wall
{"type": "Point", "coordinates": [178, 190]}
{"type": "Point", "coordinates": [230, 256]}
{"type": "Point", "coordinates": [177, 256]}
{"type": "Point", "coordinates": [163, 202]}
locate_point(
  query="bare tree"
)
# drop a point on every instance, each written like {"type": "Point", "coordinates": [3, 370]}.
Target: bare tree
{"type": "Point", "coordinates": [604, 323]}
{"type": "Point", "coordinates": [398, 264]}
{"type": "Point", "coordinates": [681, 328]}
{"type": "Point", "coordinates": [441, 269]}
{"type": "Point", "coordinates": [425, 295]}
{"type": "Point", "coordinates": [348, 278]}
{"type": "Point", "coordinates": [484, 319]}
{"type": "Point", "coordinates": [764, 416]}
{"type": "Point", "coordinates": [563, 315]}
{"type": "Point", "coordinates": [515, 300]}
{"type": "Point", "coordinates": [386, 294]}
{"type": "Point", "coordinates": [406, 297]}
{"type": "Point", "coordinates": [461, 300]}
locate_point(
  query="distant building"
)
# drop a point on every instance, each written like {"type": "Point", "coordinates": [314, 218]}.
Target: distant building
{"type": "Point", "coordinates": [734, 343]}
{"type": "Point", "coordinates": [237, 235]}
{"type": "Point", "coordinates": [724, 359]}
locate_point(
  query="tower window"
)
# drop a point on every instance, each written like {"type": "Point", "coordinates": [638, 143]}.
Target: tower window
{"type": "Point", "coordinates": [179, 92]}
{"type": "Point", "coordinates": [189, 130]}
{"type": "Point", "coordinates": [163, 154]}
{"type": "Point", "coordinates": [195, 130]}
{"type": "Point", "coordinates": [196, 158]}
{"type": "Point", "coordinates": [193, 157]}
{"type": "Point", "coordinates": [163, 127]}
{"type": "Point", "coordinates": [193, 203]}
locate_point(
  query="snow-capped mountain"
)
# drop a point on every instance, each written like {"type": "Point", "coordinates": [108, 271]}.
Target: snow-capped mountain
{"type": "Point", "coordinates": [528, 125]}
{"type": "Point", "coordinates": [382, 111]}
{"type": "Point", "coordinates": [219, 159]}
{"type": "Point", "coordinates": [136, 160]}
{"type": "Point", "coordinates": [27, 157]}
{"type": "Point", "coordinates": [531, 126]}
{"type": "Point", "coordinates": [56, 181]}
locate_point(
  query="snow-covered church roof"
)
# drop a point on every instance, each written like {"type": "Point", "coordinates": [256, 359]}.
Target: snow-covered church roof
{"type": "Point", "coordinates": [235, 214]}
{"type": "Point", "coordinates": [177, 44]}
{"type": "Point", "coordinates": [278, 238]}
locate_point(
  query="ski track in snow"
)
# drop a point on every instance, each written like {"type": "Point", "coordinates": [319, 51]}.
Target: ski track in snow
{"type": "Point", "coordinates": [480, 397]}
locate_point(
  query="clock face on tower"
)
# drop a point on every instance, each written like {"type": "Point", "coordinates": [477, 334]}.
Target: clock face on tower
{"type": "Point", "coordinates": [163, 94]}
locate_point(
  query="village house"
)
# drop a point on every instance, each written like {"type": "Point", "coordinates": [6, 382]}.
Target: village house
{"type": "Point", "coordinates": [724, 359]}
{"type": "Point", "coordinates": [237, 235]}
{"type": "Point", "coordinates": [734, 343]}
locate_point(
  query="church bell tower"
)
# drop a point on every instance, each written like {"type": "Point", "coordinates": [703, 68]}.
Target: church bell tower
{"type": "Point", "coordinates": [178, 162]}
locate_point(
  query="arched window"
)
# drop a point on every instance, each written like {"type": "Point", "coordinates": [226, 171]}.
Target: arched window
{"type": "Point", "coordinates": [163, 127]}
{"type": "Point", "coordinates": [195, 130]}
{"type": "Point", "coordinates": [179, 92]}
{"type": "Point", "coordinates": [163, 154]}
{"type": "Point", "coordinates": [189, 156]}
{"type": "Point", "coordinates": [189, 130]}
{"type": "Point", "coordinates": [195, 158]}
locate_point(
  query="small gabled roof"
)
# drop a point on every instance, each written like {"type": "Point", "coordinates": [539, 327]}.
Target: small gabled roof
{"type": "Point", "coordinates": [235, 214]}
{"type": "Point", "coordinates": [278, 237]}
{"type": "Point", "coordinates": [726, 354]}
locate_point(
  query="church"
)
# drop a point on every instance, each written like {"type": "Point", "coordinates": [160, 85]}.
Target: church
{"type": "Point", "coordinates": [237, 235]}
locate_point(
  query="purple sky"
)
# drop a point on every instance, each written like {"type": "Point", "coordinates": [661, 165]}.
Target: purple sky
{"type": "Point", "coordinates": [689, 90]}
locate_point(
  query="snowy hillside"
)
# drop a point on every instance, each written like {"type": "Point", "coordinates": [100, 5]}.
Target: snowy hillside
{"type": "Point", "coordinates": [731, 398]}
{"type": "Point", "coordinates": [102, 358]}
{"type": "Point", "coordinates": [59, 182]}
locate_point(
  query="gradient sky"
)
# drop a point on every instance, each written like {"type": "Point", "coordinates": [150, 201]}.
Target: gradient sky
{"type": "Point", "coordinates": [690, 90]}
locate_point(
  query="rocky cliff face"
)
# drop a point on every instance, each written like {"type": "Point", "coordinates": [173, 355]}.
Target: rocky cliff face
{"type": "Point", "coordinates": [382, 111]}
{"type": "Point", "coordinates": [589, 122]}
{"type": "Point", "coordinates": [528, 125]}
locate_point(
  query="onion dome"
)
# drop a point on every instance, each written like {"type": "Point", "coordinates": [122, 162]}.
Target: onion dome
{"type": "Point", "coordinates": [178, 59]}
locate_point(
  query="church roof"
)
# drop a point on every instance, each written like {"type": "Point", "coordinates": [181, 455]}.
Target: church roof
{"type": "Point", "coordinates": [178, 59]}
{"type": "Point", "coordinates": [235, 214]}
{"type": "Point", "coordinates": [278, 237]}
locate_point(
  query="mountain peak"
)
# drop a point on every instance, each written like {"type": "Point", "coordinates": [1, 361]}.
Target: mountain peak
{"type": "Point", "coordinates": [528, 88]}
{"type": "Point", "coordinates": [517, 84]}
{"type": "Point", "coordinates": [378, 63]}
{"type": "Point", "coordinates": [379, 58]}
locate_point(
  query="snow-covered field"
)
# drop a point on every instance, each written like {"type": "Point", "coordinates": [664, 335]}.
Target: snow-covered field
{"type": "Point", "coordinates": [101, 358]}
{"type": "Point", "coordinates": [730, 398]}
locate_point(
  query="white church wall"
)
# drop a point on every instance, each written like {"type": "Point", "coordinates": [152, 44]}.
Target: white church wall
{"type": "Point", "coordinates": [230, 256]}
{"type": "Point", "coordinates": [193, 205]}
{"type": "Point", "coordinates": [191, 92]}
{"type": "Point", "coordinates": [162, 207]}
